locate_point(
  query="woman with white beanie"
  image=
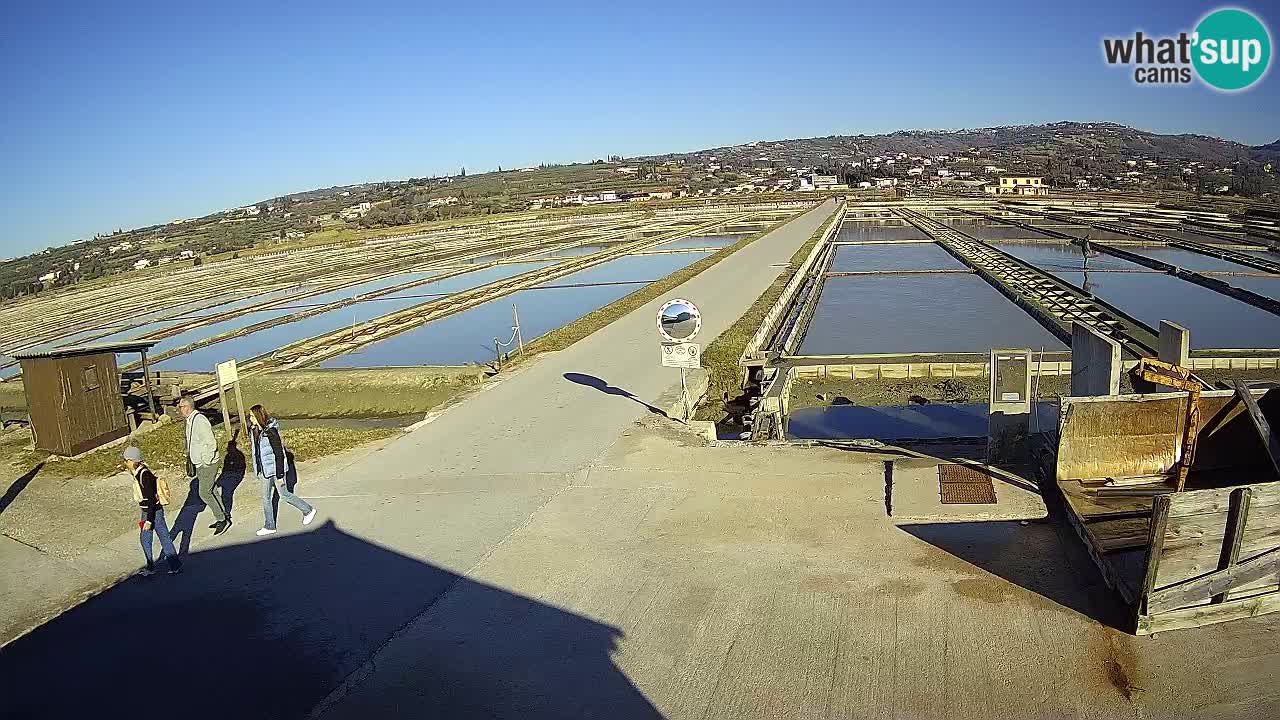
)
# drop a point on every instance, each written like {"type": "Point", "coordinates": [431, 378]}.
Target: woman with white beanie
{"type": "Point", "coordinates": [151, 499]}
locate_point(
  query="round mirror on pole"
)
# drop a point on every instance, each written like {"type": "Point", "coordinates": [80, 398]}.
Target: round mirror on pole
{"type": "Point", "coordinates": [679, 320]}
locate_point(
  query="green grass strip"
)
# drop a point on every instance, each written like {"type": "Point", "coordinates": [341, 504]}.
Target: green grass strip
{"type": "Point", "coordinates": [720, 359]}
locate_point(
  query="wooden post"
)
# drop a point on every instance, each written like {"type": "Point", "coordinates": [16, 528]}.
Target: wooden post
{"type": "Point", "coordinates": [1260, 423]}
{"type": "Point", "coordinates": [146, 380]}
{"type": "Point", "coordinates": [244, 421]}
{"type": "Point", "coordinates": [226, 420]}
{"type": "Point", "coordinates": [1237, 518]}
{"type": "Point", "coordinates": [1155, 546]}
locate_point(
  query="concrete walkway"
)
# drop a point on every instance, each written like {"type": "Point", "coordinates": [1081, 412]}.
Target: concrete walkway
{"type": "Point", "coordinates": [547, 549]}
{"type": "Point", "coordinates": [432, 505]}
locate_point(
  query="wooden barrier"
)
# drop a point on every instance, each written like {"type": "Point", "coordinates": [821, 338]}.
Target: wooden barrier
{"type": "Point", "coordinates": [1180, 559]}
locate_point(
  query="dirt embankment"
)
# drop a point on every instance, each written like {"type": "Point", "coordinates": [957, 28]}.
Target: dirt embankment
{"type": "Point", "coordinates": [821, 392]}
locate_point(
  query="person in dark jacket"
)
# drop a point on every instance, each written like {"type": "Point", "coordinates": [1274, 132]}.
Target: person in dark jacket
{"type": "Point", "coordinates": [271, 464]}
{"type": "Point", "coordinates": [144, 492]}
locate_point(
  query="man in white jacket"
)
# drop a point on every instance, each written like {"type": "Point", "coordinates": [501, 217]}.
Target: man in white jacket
{"type": "Point", "coordinates": [202, 462]}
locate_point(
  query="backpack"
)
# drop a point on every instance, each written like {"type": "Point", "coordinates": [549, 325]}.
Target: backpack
{"type": "Point", "coordinates": [162, 487]}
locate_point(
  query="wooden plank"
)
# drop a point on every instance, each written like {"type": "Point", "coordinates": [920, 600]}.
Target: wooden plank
{"type": "Point", "coordinates": [1218, 500]}
{"type": "Point", "coordinates": [1121, 533]}
{"type": "Point", "coordinates": [1209, 614]}
{"type": "Point", "coordinates": [1091, 508]}
{"type": "Point", "coordinates": [1260, 423]}
{"type": "Point", "coordinates": [1109, 575]}
{"type": "Point", "coordinates": [1189, 556]}
{"type": "Point", "coordinates": [1234, 536]}
{"type": "Point", "coordinates": [1199, 589]}
{"type": "Point", "coordinates": [1159, 519]}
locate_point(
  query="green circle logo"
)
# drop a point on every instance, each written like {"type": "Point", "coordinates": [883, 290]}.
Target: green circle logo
{"type": "Point", "coordinates": [1232, 49]}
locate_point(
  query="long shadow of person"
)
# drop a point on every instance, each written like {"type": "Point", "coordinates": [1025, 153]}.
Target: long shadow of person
{"type": "Point", "coordinates": [184, 524]}
{"type": "Point", "coordinates": [234, 469]}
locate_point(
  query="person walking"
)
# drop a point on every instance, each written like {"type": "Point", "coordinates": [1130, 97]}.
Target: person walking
{"type": "Point", "coordinates": [202, 462]}
{"type": "Point", "coordinates": [146, 490]}
{"type": "Point", "coordinates": [271, 463]}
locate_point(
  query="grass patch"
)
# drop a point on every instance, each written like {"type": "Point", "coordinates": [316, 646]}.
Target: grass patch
{"type": "Point", "coordinates": [573, 332]}
{"type": "Point", "coordinates": [720, 358]}
{"type": "Point", "coordinates": [163, 450]}
{"type": "Point", "coordinates": [377, 392]}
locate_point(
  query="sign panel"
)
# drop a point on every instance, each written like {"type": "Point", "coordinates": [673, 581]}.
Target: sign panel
{"type": "Point", "coordinates": [682, 355]}
{"type": "Point", "coordinates": [679, 321]}
{"type": "Point", "coordinates": [227, 373]}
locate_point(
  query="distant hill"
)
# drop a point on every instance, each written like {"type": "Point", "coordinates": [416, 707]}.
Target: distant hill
{"type": "Point", "coordinates": [1266, 153]}
{"type": "Point", "coordinates": [1103, 140]}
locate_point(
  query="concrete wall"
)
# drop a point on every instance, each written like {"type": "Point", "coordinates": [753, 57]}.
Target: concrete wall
{"type": "Point", "coordinates": [1175, 343]}
{"type": "Point", "coordinates": [1095, 362]}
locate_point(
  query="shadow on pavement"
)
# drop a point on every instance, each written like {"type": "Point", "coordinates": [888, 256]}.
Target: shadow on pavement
{"type": "Point", "coordinates": [592, 381]}
{"type": "Point", "coordinates": [18, 486]}
{"type": "Point", "coordinates": [267, 629]}
{"type": "Point", "coordinates": [235, 468]}
{"type": "Point", "coordinates": [1044, 557]}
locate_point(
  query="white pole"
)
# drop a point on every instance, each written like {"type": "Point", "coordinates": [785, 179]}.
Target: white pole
{"type": "Point", "coordinates": [515, 317]}
{"type": "Point", "coordinates": [684, 396]}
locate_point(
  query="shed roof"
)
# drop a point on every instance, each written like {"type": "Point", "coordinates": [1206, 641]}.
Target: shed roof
{"type": "Point", "coordinates": [92, 349]}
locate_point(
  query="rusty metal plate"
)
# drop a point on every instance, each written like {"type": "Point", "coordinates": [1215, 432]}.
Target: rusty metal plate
{"type": "Point", "coordinates": [956, 473]}
{"type": "Point", "coordinates": [968, 493]}
{"type": "Point", "coordinates": [965, 485]}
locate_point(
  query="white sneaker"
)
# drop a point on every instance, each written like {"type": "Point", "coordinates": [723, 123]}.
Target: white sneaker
{"type": "Point", "coordinates": [266, 531]}
{"type": "Point", "coordinates": [306, 519]}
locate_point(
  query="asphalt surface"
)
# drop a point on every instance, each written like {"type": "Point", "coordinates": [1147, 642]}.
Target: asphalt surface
{"type": "Point", "coordinates": [270, 627]}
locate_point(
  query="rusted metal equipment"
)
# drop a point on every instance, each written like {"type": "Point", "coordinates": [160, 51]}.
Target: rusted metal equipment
{"type": "Point", "coordinates": [1178, 378]}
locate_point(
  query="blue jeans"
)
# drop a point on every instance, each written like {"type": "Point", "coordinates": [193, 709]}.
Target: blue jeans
{"type": "Point", "coordinates": [166, 542]}
{"type": "Point", "coordinates": [268, 513]}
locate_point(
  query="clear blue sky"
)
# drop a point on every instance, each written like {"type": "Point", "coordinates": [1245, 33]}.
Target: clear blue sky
{"type": "Point", "coordinates": [127, 114]}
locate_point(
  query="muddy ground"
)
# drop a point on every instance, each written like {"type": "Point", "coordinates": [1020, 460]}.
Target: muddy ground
{"type": "Point", "coordinates": [822, 392]}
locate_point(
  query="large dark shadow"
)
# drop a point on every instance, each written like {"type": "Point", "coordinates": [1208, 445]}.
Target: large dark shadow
{"type": "Point", "coordinates": [594, 382]}
{"type": "Point", "coordinates": [267, 629]}
{"type": "Point", "coordinates": [16, 488]}
{"type": "Point", "coordinates": [1044, 557]}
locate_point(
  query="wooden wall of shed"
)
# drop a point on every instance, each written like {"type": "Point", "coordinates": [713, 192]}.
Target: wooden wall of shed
{"type": "Point", "coordinates": [69, 415]}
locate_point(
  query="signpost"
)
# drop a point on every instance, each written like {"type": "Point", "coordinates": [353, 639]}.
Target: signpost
{"type": "Point", "coordinates": [229, 376]}
{"type": "Point", "coordinates": [678, 323]}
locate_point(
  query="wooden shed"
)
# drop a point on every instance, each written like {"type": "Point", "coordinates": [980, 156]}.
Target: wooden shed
{"type": "Point", "coordinates": [74, 397]}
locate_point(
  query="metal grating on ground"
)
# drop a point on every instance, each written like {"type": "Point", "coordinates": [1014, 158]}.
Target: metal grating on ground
{"type": "Point", "coordinates": [965, 485]}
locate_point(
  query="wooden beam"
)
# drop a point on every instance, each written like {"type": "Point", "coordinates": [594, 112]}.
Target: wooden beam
{"type": "Point", "coordinates": [1159, 521]}
{"type": "Point", "coordinates": [1209, 614]}
{"type": "Point", "coordinates": [146, 380]}
{"type": "Point", "coordinates": [1259, 423]}
{"type": "Point", "coordinates": [1237, 518]}
{"type": "Point", "coordinates": [1189, 592]}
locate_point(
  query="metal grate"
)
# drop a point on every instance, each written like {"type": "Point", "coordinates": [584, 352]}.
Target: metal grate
{"type": "Point", "coordinates": [965, 485]}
